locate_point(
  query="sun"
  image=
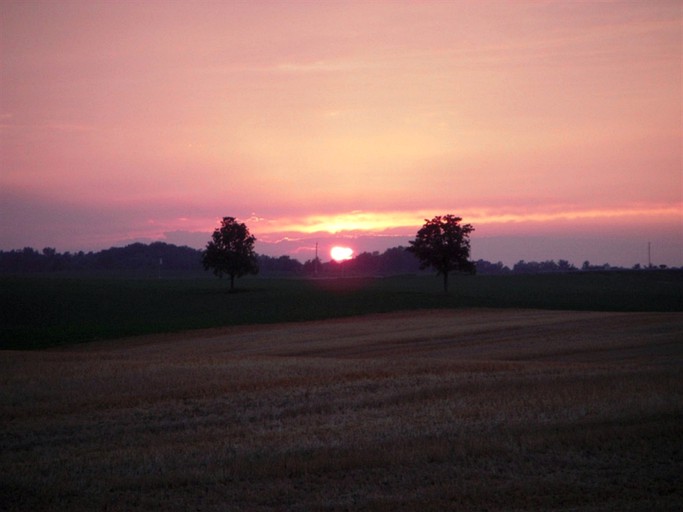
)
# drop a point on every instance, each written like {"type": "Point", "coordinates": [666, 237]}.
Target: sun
{"type": "Point", "coordinates": [340, 253]}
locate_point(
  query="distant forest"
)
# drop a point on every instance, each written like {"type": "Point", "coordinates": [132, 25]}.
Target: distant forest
{"type": "Point", "coordinates": [159, 259]}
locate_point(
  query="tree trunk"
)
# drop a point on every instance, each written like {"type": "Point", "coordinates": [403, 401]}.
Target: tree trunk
{"type": "Point", "coordinates": [445, 282]}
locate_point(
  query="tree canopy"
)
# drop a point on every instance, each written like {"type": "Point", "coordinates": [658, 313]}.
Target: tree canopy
{"type": "Point", "coordinates": [231, 251]}
{"type": "Point", "coordinates": [444, 244]}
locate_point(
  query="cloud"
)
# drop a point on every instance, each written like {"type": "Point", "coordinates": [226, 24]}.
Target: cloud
{"type": "Point", "coordinates": [378, 222]}
{"type": "Point", "coordinates": [616, 236]}
{"type": "Point", "coordinates": [36, 220]}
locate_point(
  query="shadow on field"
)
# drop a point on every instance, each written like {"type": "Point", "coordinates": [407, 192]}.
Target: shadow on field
{"type": "Point", "coordinates": [37, 312]}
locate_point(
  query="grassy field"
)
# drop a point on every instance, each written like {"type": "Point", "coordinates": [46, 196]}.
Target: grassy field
{"type": "Point", "coordinates": [46, 311]}
{"type": "Point", "coordinates": [450, 409]}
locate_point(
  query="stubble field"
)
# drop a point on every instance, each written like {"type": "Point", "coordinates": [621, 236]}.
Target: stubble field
{"type": "Point", "coordinates": [466, 409]}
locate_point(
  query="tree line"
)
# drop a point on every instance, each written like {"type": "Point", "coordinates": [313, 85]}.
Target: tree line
{"type": "Point", "coordinates": [182, 259]}
{"type": "Point", "coordinates": [148, 259]}
{"type": "Point", "coordinates": [442, 244]}
{"type": "Point", "coordinates": [133, 257]}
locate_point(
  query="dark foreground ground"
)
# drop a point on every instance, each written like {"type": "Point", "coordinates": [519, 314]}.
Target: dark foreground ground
{"type": "Point", "coordinates": [52, 309]}
{"type": "Point", "coordinates": [474, 409]}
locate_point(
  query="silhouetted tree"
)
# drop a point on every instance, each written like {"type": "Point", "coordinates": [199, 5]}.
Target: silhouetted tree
{"type": "Point", "coordinates": [444, 243]}
{"type": "Point", "coordinates": [231, 251]}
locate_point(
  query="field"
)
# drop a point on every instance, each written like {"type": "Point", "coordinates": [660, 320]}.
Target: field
{"type": "Point", "coordinates": [407, 400]}
{"type": "Point", "coordinates": [469, 409]}
{"type": "Point", "coordinates": [45, 311]}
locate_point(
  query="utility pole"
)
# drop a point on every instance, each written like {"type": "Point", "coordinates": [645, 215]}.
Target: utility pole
{"type": "Point", "coordinates": [315, 261]}
{"type": "Point", "coordinates": [649, 255]}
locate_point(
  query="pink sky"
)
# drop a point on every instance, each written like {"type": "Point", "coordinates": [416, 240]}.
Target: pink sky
{"type": "Point", "coordinates": [553, 127]}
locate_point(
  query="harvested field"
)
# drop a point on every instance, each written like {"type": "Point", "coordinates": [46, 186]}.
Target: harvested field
{"type": "Point", "coordinates": [470, 409]}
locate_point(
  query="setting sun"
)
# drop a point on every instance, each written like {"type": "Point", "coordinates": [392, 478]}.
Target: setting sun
{"type": "Point", "coordinates": [340, 254]}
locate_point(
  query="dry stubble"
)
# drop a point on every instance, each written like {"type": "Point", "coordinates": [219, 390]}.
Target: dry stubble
{"type": "Point", "coordinates": [464, 410]}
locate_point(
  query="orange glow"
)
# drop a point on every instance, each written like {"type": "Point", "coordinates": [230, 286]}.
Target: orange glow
{"type": "Point", "coordinates": [365, 222]}
{"type": "Point", "coordinates": [340, 253]}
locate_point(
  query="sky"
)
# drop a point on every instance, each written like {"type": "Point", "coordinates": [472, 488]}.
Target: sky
{"type": "Point", "coordinates": [553, 127]}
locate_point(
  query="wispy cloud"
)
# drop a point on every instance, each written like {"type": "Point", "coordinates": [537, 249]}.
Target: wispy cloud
{"type": "Point", "coordinates": [361, 222]}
